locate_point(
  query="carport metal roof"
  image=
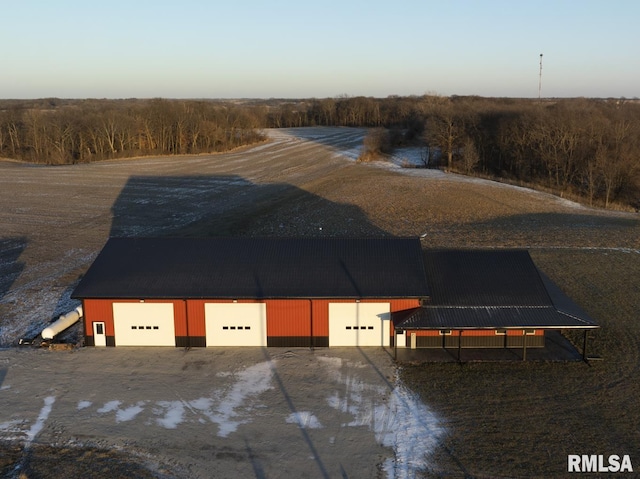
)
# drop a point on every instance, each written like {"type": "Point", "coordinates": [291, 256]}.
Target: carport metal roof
{"type": "Point", "coordinates": [488, 317]}
{"type": "Point", "coordinates": [490, 289]}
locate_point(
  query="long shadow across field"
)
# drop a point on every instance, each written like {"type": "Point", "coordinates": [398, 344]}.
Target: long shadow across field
{"type": "Point", "coordinates": [229, 205]}
{"type": "Point", "coordinates": [562, 228]}
{"type": "Point", "coordinates": [10, 269]}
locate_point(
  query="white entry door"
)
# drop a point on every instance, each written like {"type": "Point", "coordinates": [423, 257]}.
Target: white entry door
{"type": "Point", "coordinates": [144, 324]}
{"type": "Point", "coordinates": [359, 324]}
{"type": "Point", "coordinates": [236, 324]}
{"type": "Point", "coordinates": [99, 334]}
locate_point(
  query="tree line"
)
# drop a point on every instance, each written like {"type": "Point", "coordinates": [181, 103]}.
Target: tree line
{"type": "Point", "coordinates": [582, 147]}
{"type": "Point", "coordinates": [588, 148]}
{"type": "Point", "coordinates": [74, 131]}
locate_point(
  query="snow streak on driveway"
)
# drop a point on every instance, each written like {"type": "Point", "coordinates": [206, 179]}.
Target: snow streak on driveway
{"type": "Point", "coordinates": [398, 418]}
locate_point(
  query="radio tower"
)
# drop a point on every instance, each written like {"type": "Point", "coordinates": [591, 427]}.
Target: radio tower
{"type": "Point", "coordinates": [540, 78]}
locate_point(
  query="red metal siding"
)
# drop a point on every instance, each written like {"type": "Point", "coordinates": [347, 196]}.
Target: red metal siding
{"type": "Point", "coordinates": [285, 317]}
{"type": "Point", "coordinates": [195, 317]}
{"type": "Point", "coordinates": [98, 310]}
{"type": "Point", "coordinates": [288, 317]}
{"type": "Point", "coordinates": [179, 316]}
{"type": "Point", "coordinates": [402, 304]}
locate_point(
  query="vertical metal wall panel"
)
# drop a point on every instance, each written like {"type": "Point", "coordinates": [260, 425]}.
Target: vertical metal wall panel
{"type": "Point", "coordinates": [98, 310]}
{"type": "Point", "coordinates": [320, 318]}
{"type": "Point", "coordinates": [472, 339]}
{"type": "Point", "coordinates": [402, 304]}
{"type": "Point", "coordinates": [288, 318]}
{"type": "Point", "coordinates": [533, 341]}
{"type": "Point", "coordinates": [195, 318]}
{"type": "Point", "coordinates": [180, 317]}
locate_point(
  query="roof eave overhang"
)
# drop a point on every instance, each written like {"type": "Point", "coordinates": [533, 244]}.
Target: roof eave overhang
{"type": "Point", "coordinates": [492, 328]}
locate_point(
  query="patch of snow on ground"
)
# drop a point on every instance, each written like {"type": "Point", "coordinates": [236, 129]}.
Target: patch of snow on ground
{"type": "Point", "coordinates": [229, 406]}
{"type": "Point", "coordinates": [42, 417]}
{"type": "Point", "coordinates": [84, 405]}
{"type": "Point", "coordinates": [129, 413]}
{"type": "Point", "coordinates": [410, 428]}
{"type": "Point", "coordinates": [173, 413]}
{"type": "Point", "coordinates": [109, 407]}
{"type": "Point", "coordinates": [399, 420]}
{"type": "Point", "coordinates": [304, 419]}
{"type": "Point", "coordinates": [12, 427]}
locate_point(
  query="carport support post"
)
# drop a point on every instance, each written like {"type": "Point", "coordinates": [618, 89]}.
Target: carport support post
{"type": "Point", "coordinates": [395, 344]}
{"type": "Point", "coordinates": [584, 345]}
{"type": "Point", "coordinates": [524, 344]}
{"type": "Point", "coordinates": [459, 343]}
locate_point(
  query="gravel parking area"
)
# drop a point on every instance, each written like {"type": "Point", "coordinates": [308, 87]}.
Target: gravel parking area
{"type": "Point", "coordinates": [224, 412]}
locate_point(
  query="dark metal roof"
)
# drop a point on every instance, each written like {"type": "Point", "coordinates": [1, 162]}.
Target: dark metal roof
{"type": "Point", "coordinates": [256, 268]}
{"type": "Point", "coordinates": [484, 278]}
{"type": "Point", "coordinates": [561, 301]}
{"type": "Point", "coordinates": [491, 289]}
{"type": "Point", "coordinates": [488, 317]}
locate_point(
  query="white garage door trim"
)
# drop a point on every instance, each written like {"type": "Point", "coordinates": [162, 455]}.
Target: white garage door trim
{"type": "Point", "coordinates": [359, 324]}
{"type": "Point", "coordinates": [236, 324]}
{"type": "Point", "coordinates": [144, 324]}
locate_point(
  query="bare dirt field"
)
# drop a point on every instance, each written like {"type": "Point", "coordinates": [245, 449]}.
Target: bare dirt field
{"type": "Point", "coordinates": [326, 413]}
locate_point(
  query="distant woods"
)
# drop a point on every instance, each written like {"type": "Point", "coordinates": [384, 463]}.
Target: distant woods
{"type": "Point", "coordinates": [582, 148]}
{"type": "Point", "coordinates": [587, 148]}
{"type": "Point", "coordinates": [56, 131]}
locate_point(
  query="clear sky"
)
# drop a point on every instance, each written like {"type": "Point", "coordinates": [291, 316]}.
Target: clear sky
{"type": "Point", "coordinates": [326, 48]}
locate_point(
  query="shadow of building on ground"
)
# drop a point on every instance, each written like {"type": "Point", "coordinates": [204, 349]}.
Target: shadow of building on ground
{"type": "Point", "coordinates": [229, 205]}
{"type": "Point", "coordinates": [10, 269]}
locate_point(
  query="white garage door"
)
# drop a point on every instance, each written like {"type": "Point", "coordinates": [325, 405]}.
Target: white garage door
{"type": "Point", "coordinates": [236, 324]}
{"type": "Point", "coordinates": [144, 324]}
{"type": "Point", "coordinates": [359, 324]}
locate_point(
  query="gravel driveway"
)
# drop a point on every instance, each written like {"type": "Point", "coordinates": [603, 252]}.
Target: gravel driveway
{"type": "Point", "coordinates": [222, 412]}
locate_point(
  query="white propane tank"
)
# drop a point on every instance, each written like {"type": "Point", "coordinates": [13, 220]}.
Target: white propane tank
{"type": "Point", "coordinates": [62, 323]}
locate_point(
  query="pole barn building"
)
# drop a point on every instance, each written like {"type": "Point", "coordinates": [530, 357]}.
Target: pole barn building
{"type": "Point", "coordinates": [288, 292]}
{"type": "Point", "coordinates": [318, 292]}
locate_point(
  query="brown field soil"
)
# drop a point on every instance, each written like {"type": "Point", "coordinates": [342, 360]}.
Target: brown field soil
{"type": "Point", "coordinates": [501, 419]}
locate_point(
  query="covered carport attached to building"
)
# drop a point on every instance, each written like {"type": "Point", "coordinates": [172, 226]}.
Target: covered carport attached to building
{"type": "Point", "coordinates": [487, 299]}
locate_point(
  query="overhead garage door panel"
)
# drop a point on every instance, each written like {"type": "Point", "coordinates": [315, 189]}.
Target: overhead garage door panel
{"type": "Point", "coordinates": [236, 324]}
{"type": "Point", "coordinates": [359, 324]}
{"type": "Point", "coordinates": [144, 324]}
